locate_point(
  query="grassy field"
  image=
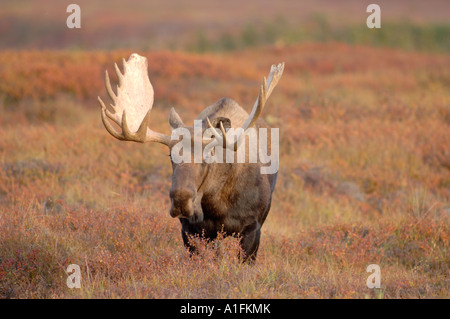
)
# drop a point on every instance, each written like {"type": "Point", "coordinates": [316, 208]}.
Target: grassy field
{"type": "Point", "coordinates": [364, 176]}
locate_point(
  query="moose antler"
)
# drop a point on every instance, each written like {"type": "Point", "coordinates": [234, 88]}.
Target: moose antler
{"type": "Point", "coordinates": [132, 104]}
{"type": "Point", "coordinates": [266, 89]}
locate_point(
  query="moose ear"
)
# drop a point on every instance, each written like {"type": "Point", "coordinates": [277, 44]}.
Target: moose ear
{"type": "Point", "coordinates": [226, 122]}
{"type": "Point", "coordinates": [175, 120]}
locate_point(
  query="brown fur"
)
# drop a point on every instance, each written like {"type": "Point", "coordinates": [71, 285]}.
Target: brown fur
{"type": "Point", "coordinates": [235, 197]}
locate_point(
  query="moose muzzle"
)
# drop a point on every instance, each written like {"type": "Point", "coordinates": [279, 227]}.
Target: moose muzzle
{"type": "Point", "coordinates": [182, 203]}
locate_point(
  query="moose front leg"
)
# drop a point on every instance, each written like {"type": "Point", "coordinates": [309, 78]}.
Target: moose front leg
{"type": "Point", "coordinates": [186, 241]}
{"type": "Point", "coordinates": [187, 231]}
{"type": "Point", "coordinates": [250, 237]}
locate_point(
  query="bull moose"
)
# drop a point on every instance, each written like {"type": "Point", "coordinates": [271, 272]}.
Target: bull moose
{"type": "Point", "coordinates": [207, 197]}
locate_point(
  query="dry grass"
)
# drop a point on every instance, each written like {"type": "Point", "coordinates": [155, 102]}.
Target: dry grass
{"type": "Point", "coordinates": [364, 177]}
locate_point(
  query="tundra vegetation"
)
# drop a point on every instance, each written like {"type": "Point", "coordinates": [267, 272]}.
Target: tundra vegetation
{"type": "Point", "coordinates": [364, 172]}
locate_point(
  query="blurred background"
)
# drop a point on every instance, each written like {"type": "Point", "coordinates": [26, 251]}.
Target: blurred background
{"type": "Point", "coordinates": [202, 25]}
